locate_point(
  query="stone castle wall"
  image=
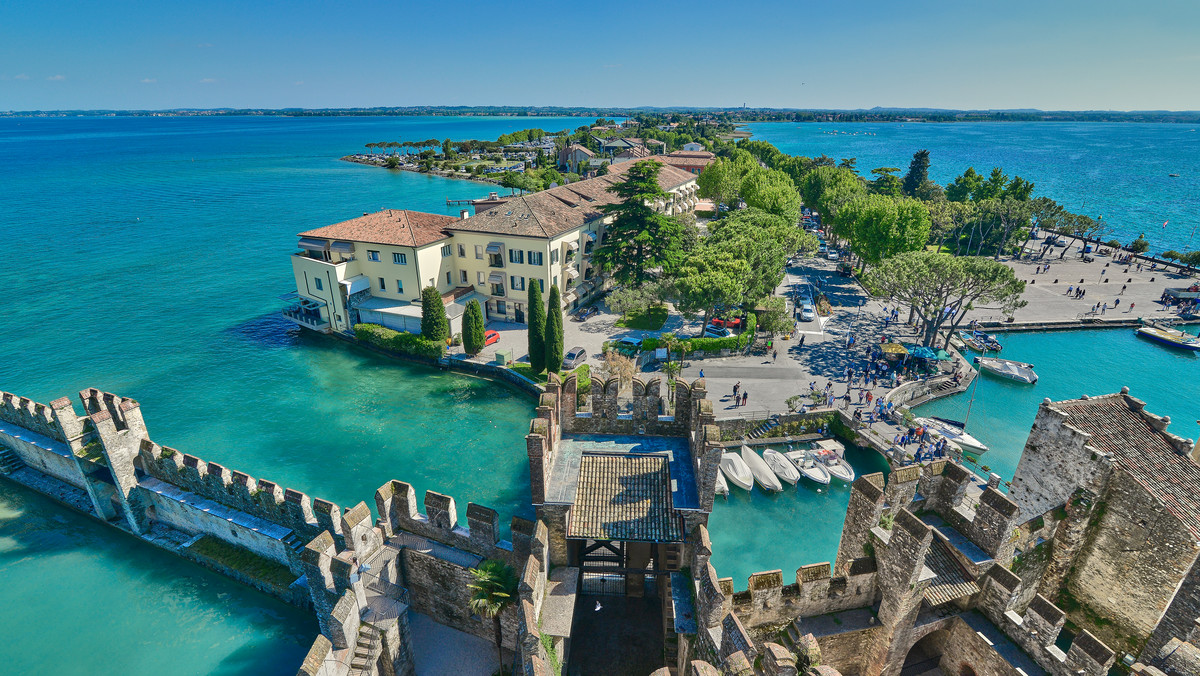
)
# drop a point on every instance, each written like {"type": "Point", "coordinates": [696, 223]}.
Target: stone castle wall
{"type": "Point", "coordinates": [1055, 462]}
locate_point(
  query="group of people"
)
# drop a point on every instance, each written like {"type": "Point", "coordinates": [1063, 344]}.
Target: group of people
{"type": "Point", "coordinates": [1076, 292]}
{"type": "Point", "coordinates": [927, 448]}
{"type": "Point", "coordinates": [740, 396]}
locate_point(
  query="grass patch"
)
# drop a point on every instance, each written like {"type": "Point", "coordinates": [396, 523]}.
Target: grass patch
{"type": "Point", "coordinates": [583, 373]}
{"type": "Point", "coordinates": [243, 561]}
{"type": "Point", "coordinates": [651, 320]}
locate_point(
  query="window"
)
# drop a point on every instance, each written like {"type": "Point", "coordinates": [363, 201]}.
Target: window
{"type": "Point", "coordinates": [542, 285]}
{"type": "Point", "coordinates": [382, 284]}
{"type": "Point", "coordinates": [518, 283]}
{"type": "Point", "coordinates": [399, 259]}
{"type": "Point", "coordinates": [554, 256]}
{"type": "Point", "coordinates": [448, 282]}
{"type": "Point", "coordinates": [479, 251]}
{"type": "Point", "coordinates": [446, 250]}
{"type": "Point", "coordinates": [479, 278]}
{"type": "Point", "coordinates": [399, 286]}
{"type": "Point", "coordinates": [555, 280]}
{"type": "Point", "coordinates": [516, 256]}
{"type": "Point", "coordinates": [317, 283]}
{"type": "Point", "coordinates": [462, 251]}
{"type": "Point", "coordinates": [373, 256]}
{"type": "Point", "coordinates": [497, 289]}
{"type": "Point", "coordinates": [462, 276]}
{"type": "Point", "coordinates": [535, 257]}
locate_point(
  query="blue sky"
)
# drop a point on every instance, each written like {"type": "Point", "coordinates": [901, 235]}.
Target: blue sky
{"type": "Point", "coordinates": [1049, 54]}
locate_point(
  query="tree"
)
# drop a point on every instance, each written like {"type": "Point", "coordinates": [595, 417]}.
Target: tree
{"type": "Point", "coordinates": [918, 172]}
{"type": "Point", "coordinates": [554, 332]}
{"type": "Point", "coordinates": [773, 192]}
{"type": "Point", "coordinates": [722, 180]}
{"type": "Point", "coordinates": [447, 149]}
{"type": "Point", "coordinates": [434, 325]}
{"type": "Point", "coordinates": [886, 182]}
{"type": "Point", "coordinates": [393, 162]}
{"type": "Point", "coordinates": [708, 278]}
{"type": "Point", "coordinates": [992, 188]}
{"type": "Point", "coordinates": [940, 288]}
{"type": "Point", "coordinates": [879, 227]}
{"type": "Point", "coordinates": [472, 328]}
{"type": "Point", "coordinates": [494, 589]}
{"type": "Point", "coordinates": [639, 239]}
{"type": "Point", "coordinates": [1139, 245]}
{"type": "Point", "coordinates": [774, 318]}
{"type": "Point", "coordinates": [603, 170]}
{"type": "Point", "coordinates": [629, 300]}
{"type": "Point", "coordinates": [961, 189]}
{"type": "Point", "coordinates": [1010, 213]}
{"type": "Point", "coordinates": [1171, 255]}
{"type": "Point", "coordinates": [537, 328]}
{"type": "Point", "coordinates": [765, 241]}
{"type": "Point", "coordinates": [826, 188]}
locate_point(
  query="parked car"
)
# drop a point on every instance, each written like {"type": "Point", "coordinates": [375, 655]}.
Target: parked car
{"type": "Point", "coordinates": [490, 337]}
{"type": "Point", "coordinates": [574, 357]}
{"type": "Point", "coordinates": [823, 248]}
{"type": "Point", "coordinates": [731, 323]}
{"type": "Point", "coordinates": [834, 255]}
{"type": "Point", "coordinates": [583, 313]}
{"type": "Point", "coordinates": [629, 346]}
{"type": "Point", "coordinates": [808, 313]}
{"type": "Point", "coordinates": [711, 331]}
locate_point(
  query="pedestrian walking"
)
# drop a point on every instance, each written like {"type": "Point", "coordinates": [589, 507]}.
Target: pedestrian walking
{"type": "Point", "coordinates": [701, 373]}
{"type": "Point", "coordinates": [1131, 307]}
{"type": "Point", "coordinates": [801, 341]}
{"type": "Point", "coordinates": [745, 398]}
{"type": "Point", "coordinates": [1070, 289]}
{"type": "Point", "coordinates": [736, 386]}
{"type": "Point", "coordinates": [774, 356]}
{"type": "Point", "coordinates": [1123, 288]}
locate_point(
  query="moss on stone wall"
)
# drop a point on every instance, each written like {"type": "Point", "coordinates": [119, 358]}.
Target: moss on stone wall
{"type": "Point", "coordinates": [243, 561]}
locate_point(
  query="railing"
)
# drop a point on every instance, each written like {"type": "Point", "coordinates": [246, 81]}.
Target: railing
{"type": "Point", "coordinates": [388, 589]}
{"type": "Point", "coordinates": [299, 316]}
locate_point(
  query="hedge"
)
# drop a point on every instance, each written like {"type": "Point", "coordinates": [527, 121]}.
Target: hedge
{"type": "Point", "coordinates": [713, 344]}
{"type": "Point", "coordinates": [396, 341]}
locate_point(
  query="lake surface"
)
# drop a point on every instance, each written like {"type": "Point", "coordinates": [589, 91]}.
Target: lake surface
{"type": "Point", "coordinates": [145, 256]}
{"type": "Point", "coordinates": [1118, 171]}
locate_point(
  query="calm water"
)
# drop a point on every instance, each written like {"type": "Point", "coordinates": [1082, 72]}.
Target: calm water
{"type": "Point", "coordinates": [145, 256]}
{"type": "Point", "coordinates": [1069, 365]}
{"type": "Point", "coordinates": [1118, 171]}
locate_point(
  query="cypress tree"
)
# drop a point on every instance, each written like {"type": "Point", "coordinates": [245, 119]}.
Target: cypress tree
{"type": "Point", "coordinates": [554, 332]}
{"type": "Point", "coordinates": [434, 325]}
{"type": "Point", "coordinates": [918, 172]}
{"type": "Point", "coordinates": [537, 328]}
{"type": "Point", "coordinates": [472, 329]}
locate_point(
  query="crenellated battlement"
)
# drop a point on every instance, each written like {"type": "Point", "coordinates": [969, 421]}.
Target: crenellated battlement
{"type": "Point", "coordinates": [46, 420]}
{"type": "Point", "coordinates": [396, 503]}
{"type": "Point", "coordinates": [647, 405]}
{"type": "Point", "coordinates": [264, 499]}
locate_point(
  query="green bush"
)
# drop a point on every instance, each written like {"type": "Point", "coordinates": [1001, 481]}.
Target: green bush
{"type": "Point", "coordinates": [404, 343]}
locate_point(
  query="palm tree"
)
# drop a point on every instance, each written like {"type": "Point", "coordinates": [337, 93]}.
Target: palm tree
{"type": "Point", "coordinates": [495, 589]}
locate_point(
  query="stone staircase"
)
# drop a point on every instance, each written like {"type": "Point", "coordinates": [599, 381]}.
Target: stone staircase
{"type": "Point", "coordinates": [294, 542]}
{"type": "Point", "coordinates": [366, 651]}
{"type": "Point", "coordinates": [9, 462]}
{"type": "Point", "coordinates": [762, 429]}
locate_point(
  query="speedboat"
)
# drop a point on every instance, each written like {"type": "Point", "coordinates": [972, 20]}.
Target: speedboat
{"type": "Point", "coordinates": [1007, 368]}
{"type": "Point", "coordinates": [722, 488]}
{"type": "Point", "coordinates": [762, 472]}
{"type": "Point", "coordinates": [807, 463]}
{"type": "Point", "coordinates": [834, 463]}
{"type": "Point", "coordinates": [781, 466]}
{"type": "Point", "coordinates": [735, 468]}
{"type": "Point", "coordinates": [958, 435]}
{"type": "Point", "coordinates": [980, 341]}
{"type": "Point", "coordinates": [1170, 337]}
{"type": "Point", "coordinates": [970, 341]}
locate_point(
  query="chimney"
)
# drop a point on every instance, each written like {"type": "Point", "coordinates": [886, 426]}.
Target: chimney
{"type": "Point", "coordinates": [462, 215]}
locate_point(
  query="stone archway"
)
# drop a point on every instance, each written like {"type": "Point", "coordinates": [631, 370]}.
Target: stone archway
{"type": "Point", "coordinates": [925, 655]}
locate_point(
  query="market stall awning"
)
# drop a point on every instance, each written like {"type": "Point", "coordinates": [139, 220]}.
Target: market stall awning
{"type": "Point", "coordinates": [893, 348]}
{"type": "Point", "coordinates": [920, 352]}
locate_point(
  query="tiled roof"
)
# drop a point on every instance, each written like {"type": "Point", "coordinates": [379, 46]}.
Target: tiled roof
{"type": "Point", "coordinates": [1123, 432]}
{"type": "Point", "coordinates": [952, 581]}
{"type": "Point", "coordinates": [636, 152]}
{"type": "Point", "coordinates": [552, 212]}
{"type": "Point", "coordinates": [390, 226]}
{"type": "Point", "coordinates": [624, 497]}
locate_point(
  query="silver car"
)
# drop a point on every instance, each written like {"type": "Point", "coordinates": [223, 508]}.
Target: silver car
{"type": "Point", "coordinates": [574, 357]}
{"type": "Point", "coordinates": [808, 313]}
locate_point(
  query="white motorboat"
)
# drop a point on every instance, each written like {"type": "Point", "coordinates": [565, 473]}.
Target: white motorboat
{"type": "Point", "coordinates": [735, 468]}
{"type": "Point", "coordinates": [762, 472]}
{"type": "Point", "coordinates": [1007, 368]}
{"type": "Point", "coordinates": [831, 445]}
{"type": "Point", "coordinates": [722, 488]}
{"type": "Point", "coordinates": [838, 467]}
{"type": "Point", "coordinates": [958, 435]}
{"type": "Point", "coordinates": [807, 463]}
{"type": "Point", "coordinates": [781, 466]}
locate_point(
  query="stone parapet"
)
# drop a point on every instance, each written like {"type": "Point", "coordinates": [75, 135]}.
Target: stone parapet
{"type": "Point", "coordinates": [396, 503]}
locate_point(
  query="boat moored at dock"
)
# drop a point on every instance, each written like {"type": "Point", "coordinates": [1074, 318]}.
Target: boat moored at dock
{"type": "Point", "coordinates": [1018, 371]}
{"type": "Point", "coordinates": [781, 465]}
{"type": "Point", "coordinates": [1170, 337]}
{"type": "Point", "coordinates": [761, 471]}
{"type": "Point", "coordinates": [954, 433]}
{"type": "Point", "coordinates": [733, 467]}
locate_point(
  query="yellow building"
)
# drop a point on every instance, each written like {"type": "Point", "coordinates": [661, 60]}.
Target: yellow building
{"type": "Point", "coordinates": [372, 268]}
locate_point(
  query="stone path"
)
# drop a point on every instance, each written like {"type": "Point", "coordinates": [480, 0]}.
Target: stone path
{"type": "Point", "coordinates": [442, 651]}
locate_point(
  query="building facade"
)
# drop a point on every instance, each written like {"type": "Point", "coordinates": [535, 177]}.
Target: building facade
{"type": "Point", "coordinates": [372, 268]}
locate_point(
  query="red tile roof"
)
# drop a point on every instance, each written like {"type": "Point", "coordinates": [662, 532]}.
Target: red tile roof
{"type": "Point", "coordinates": [390, 226]}
{"type": "Point", "coordinates": [1119, 427]}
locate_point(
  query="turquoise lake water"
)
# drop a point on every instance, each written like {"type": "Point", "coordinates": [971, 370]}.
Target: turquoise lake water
{"type": "Point", "coordinates": [145, 256]}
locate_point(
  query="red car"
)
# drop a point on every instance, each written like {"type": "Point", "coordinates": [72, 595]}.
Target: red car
{"type": "Point", "coordinates": [735, 323]}
{"type": "Point", "coordinates": [490, 337]}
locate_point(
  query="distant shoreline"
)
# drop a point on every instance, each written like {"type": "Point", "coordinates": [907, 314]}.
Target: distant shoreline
{"type": "Point", "coordinates": [739, 115]}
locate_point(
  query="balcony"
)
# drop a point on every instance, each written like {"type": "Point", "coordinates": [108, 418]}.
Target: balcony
{"type": "Point", "coordinates": [307, 317]}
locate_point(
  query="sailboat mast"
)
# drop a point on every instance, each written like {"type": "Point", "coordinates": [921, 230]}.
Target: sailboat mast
{"type": "Point", "coordinates": [974, 387]}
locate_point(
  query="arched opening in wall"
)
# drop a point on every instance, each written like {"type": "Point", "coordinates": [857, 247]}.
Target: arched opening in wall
{"type": "Point", "coordinates": [966, 670]}
{"type": "Point", "coordinates": [925, 655]}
